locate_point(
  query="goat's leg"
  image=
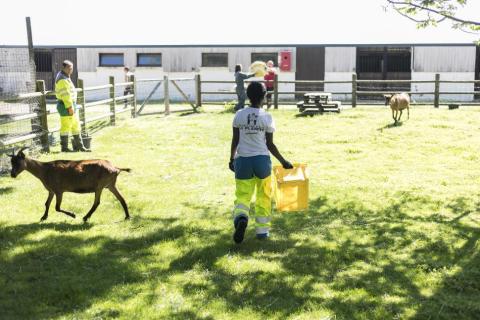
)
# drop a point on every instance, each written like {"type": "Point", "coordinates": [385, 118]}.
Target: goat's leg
{"type": "Point", "coordinates": [117, 194]}
{"type": "Point", "coordinates": [98, 194]}
{"type": "Point", "coordinates": [47, 206]}
{"type": "Point", "coordinates": [399, 117]}
{"type": "Point", "coordinates": [393, 115]}
{"type": "Point", "coordinates": [58, 203]}
{"type": "Point", "coordinates": [408, 113]}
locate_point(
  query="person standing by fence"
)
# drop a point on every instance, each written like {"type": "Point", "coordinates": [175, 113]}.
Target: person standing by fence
{"type": "Point", "coordinates": [66, 107]}
{"type": "Point", "coordinates": [128, 89]}
{"type": "Point", "coordinates": [252, 143]}
{"type": "Point", "coordinates": [240, 88]}
{"type": "Point", "coordinates": [269, 82]}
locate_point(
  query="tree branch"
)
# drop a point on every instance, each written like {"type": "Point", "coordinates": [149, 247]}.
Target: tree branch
{"type": "Point", "coordinates": [430, 10]}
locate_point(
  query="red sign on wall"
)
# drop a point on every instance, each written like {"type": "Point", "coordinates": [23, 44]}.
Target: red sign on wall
{"type": "Point", "coordinates": [285, 60]}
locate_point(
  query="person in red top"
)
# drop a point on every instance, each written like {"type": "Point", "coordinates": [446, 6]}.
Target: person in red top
{"type": "Point", "coordinates": [269, 82]}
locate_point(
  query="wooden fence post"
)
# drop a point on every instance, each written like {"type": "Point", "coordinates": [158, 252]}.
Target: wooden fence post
{"type": "Point", "coordinates": [134, 92]}
{"type": "Point", "coordinates": [81, 102]}
{"type": "Point", "coordinates": [436, 98]}
{"type": "Point", "coordinates": [275, 91]}
{"type": "Point", "coordinates": [166, 97]}
{"type": "Point", "coordinates": [40, 87]}
{"type": "Point", "coordinates": [198, 90]}
{"type": "Point", "coordinates": [354, 90]}
{"type": "Point", "coordinates": [112, 103]}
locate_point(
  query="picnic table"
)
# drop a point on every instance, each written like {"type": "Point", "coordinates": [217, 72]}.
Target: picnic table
{"type": "Point", "coordinates": [320, 101]}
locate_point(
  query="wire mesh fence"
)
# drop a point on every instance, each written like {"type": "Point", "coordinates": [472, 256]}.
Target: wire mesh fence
{"type": "Point", "coordinates": [18, 117]}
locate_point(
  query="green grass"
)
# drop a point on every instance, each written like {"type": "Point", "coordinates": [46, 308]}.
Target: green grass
{"type": "Point", "coordinates": [392, 230]}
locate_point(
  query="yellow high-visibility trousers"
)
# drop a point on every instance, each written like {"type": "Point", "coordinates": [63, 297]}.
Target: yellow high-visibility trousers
{"type": "Point", "coordinates": [69, 124]}
{"type": "Point", "coordinates": [245, 189]}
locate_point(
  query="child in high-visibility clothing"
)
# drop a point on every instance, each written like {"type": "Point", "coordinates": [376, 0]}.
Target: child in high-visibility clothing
{"type": "Point", "coordinates": [252, 143]}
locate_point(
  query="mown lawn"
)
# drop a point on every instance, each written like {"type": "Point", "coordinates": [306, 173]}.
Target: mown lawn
{"type": "Point", "coordinates": [392, 231]}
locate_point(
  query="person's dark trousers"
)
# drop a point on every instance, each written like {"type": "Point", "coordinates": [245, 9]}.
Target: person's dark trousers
{"type": "Point", "coordinates": [241, 100]}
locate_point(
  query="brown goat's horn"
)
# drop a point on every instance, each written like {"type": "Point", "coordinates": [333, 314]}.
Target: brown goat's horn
{"type": "Point", "coordinates": [23, 149]}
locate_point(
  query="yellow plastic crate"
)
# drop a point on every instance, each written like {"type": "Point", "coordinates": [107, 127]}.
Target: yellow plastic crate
{"type": "Point", "coordinates": [291, 187]}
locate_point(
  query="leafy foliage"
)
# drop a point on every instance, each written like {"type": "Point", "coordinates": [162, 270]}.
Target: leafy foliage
{"type": "Point", "coordinates": [432, 12]}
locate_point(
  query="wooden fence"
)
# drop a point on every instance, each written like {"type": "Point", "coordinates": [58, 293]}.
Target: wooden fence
{"type": "Point", "coordinates": [40, 118]}
{"type": "Point", "coordinates": [354, 92]}
{"type": "Point", "coordinates": [166, 92]}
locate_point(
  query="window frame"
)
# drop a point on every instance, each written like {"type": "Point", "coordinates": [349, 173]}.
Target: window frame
{"type": "Point", "coordinates": [110, 65]}
{"type": "Point", "coordinates": [150, 54]}
{"type": "Point", "coordinates": [217, 53]}
{"type": "Point", "coordinates": [275, 60]}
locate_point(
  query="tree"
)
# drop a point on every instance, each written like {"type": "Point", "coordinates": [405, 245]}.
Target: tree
{"type": "Point", "coordinates": [432, 12]}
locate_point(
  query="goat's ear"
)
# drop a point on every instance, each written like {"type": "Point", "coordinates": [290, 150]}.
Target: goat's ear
{"type": "Point", "coordinates": [387, 96]}
{"type": "Point", "coordinates": [20, 153]}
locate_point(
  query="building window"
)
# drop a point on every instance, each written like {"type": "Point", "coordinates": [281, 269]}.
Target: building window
{"type": "Point", "coordinates": [111, 60]}
{"type": "Point", "coordinates": [214, 59]}
{"type": "Point", "coordinates": [265, 56]}
{"type": "Point", "coordinates": [149, 59]}
{"type": "Point", "coordinates": [43, 61]}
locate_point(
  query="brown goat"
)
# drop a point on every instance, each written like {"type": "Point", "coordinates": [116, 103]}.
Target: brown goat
{"type": "Point", "coordinates": [84, 176]}
{"type": "Point", "coordinates": [398, 102]}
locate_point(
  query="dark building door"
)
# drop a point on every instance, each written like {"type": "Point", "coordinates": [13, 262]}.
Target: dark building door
{"type": "Point", "coordinates": [48, 62]}
{"type": "Point", "coordinates": [310, 66]}
{"type": "Point", "coordinates": [61, 54]}
{"type": "Point", "coordinates": [43, 66]}
{"type": "Point", "coordinates": [383, 63]}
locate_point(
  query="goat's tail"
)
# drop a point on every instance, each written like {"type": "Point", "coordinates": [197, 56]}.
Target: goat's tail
{"type": "Point", "coordinates": [125, 169]}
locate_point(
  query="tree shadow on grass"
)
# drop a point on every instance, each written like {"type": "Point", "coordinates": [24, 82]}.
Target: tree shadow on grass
{"type": "Point", "coordinates": [345, 258]}
{"type": "Point", "coordinates": [65, 271]}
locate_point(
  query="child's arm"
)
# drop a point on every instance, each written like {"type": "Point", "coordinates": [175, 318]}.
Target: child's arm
{"type": "Point", "coordinates": [247, 75]}
{"type": "Point", "coordinates": [233, 149]}
{"type": "Point", "coordinates": [273, 149]}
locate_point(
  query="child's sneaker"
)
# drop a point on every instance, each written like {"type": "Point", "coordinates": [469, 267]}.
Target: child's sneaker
{"type": "Point", "coordinates": [240, 226]}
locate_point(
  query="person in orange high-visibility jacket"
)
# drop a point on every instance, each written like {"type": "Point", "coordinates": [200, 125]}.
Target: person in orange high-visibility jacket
{"type": "Point", "coordinates": [66, 107]}
{"type": "Point", "coordinates": [252, 143]}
